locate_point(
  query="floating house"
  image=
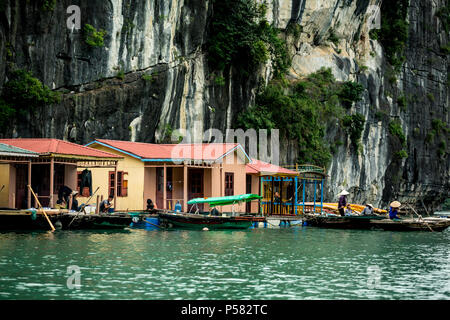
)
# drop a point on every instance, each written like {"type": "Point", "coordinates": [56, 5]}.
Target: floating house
{"type": "Point", "coordinates": [46, 165]}
{"type": "Point", "coordinates": [171, 173]}
{"type": "Point", "coordinates": [15, 173]}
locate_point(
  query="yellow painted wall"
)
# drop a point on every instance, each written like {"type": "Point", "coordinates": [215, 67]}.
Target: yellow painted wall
{"type": "Point", "coordinates": [4, 180]}
{"type": "Point", "coordinates": [134, 167]}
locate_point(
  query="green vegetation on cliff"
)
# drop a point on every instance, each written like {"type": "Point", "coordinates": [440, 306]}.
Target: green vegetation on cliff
{"type": "Point", "coordinates": [394, 31]}
{"type": "Point", "coordinates": [22, 94]}
{"type": "Point", "coordinates": [93, 37]}
{"type": "Point", "coordinates": [301, 110]}
{"type": "Point", "coordinates": [241, 36]}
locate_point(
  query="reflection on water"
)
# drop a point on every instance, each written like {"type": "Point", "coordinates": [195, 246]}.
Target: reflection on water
{"type": "Point", "coordinates": [291, 263]}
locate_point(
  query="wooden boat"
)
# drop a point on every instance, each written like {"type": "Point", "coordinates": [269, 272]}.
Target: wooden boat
{"type": "Point", "coordinates": [62, 219]}
{"type": "Point", "coordinates": [425, 224]}
{"type": "Point", "coordinates": [340, 222]}
{"type": "Point", "coordinates": [200, 221]}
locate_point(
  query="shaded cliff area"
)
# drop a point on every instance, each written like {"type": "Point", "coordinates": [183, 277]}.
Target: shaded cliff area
{"type": "Point", "coordinates": [368, 100]}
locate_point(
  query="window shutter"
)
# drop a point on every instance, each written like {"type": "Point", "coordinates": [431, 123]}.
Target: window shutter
{"type": "Point", "coordinates": [124, 188]}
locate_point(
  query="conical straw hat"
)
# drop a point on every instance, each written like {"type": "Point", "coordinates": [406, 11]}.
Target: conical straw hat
{"type": "Point", "coordinates": [344, 193]}
{"type": "Point", "coordinates": [395, 204]}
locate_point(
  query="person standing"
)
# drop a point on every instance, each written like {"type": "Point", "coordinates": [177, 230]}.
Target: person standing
{"type": "Point", "coordinates": [342, 202]}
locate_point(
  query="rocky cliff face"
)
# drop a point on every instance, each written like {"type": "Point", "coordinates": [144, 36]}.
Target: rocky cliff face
{"type": "Point", "coordinates": [152, 76]}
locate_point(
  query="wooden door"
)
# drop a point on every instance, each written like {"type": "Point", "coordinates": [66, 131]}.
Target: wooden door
{"type": "Point", "coordinates": [21, 186]}
{"type": "Point", "coordinates": [195, 185]}
{"type": "Point", "coordinates": [248, 189]}
{"type": "Point", "coordinates": [159, 187]}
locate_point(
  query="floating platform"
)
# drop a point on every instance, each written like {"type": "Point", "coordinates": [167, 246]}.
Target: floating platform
{"type": "Point", "coordinates": [61, 219]}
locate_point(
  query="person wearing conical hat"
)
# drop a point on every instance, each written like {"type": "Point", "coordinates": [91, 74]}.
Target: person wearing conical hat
{"type": "Point", "coordinates": [393, 210]}
{"type": "Point", "coordinates": [342, 202]}
{"type": "Point", "coordinates": [368, 210]}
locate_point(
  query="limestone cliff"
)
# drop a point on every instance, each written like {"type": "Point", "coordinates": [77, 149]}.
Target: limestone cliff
{"type": "Point", "coordinates": [152, 76]}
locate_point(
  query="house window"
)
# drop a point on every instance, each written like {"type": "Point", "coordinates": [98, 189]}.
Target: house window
{"type": "Point", "coordinates": [85, 191]}
{"type": "Point", "coordinates": [229, 184]}
{"type": "Point", "coordinates": [122, 184]}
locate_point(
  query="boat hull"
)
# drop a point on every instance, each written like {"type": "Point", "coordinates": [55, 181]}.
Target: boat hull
{"type": "Point", "coordinates": [339, 222]}
{"type": "Point", "coordinates": [411, 225]}
{"type": "Point", "coordinates": [198, 222]}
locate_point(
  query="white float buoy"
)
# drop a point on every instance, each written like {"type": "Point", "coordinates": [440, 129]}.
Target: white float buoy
{"type": "Point", "coordinates": [205, 229]}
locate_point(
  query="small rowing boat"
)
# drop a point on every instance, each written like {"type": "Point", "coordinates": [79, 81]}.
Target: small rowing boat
{"type": "Point", "coordinates": [424, 224]}
{"type": "Point", "coordinates": [341, 222]}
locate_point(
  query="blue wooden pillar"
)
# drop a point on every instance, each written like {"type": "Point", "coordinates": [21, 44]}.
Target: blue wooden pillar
{"type": "Point", "coordinates": [303, 196]}
{"type": "Point", "coordinates": [315, 188]}
{"type": "Point", "coordinates": [295, 203]}
{"type": "Point", "coordinates": [321, 197]}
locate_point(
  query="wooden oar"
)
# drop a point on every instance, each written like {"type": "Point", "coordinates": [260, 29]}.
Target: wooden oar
{"type": "Point", "coordinates": [421, 218]}
{"type": "Point", "coordinates": [153, 224]}
{"type": "Point", "coordinates": [42, 209]}
{"type": "Point", "coordinates": [83, 206]}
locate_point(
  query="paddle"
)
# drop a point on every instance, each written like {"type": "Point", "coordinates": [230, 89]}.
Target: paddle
{"type": "Point", "coordinates": [83, 206]}
{"type": "Point", "coordinates": [40, 208]}
{"type": "Point", "coordinates": [420, 217]}
{"type": "Point", "coordinates": [153, 224]}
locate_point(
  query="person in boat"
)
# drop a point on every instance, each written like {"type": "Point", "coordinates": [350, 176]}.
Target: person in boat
{"type": "Point", "coordinates": [368, 210]}
{"type": "Point", "coordinates": [106, 205]}
{"type": "Point", "coordinates": [342, 202]}
{"type": "Point", "coordinates": [215, 212]}
{"type": "Point", "coordinates": [63, 196]}
{"type": "Point", "coordinates": [150, 205]}
{"type": "Point", "coordinates": [75, 206]}
{"type": "Point", "coordinates": [393, 210]}
{"type": "Point", "coordinates": [348, 210]}
{"type": "Point", "coordinates": [177, 207]}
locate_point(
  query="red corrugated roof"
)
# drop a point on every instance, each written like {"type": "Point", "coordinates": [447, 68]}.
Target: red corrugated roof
{"type": "Point", "coordinates": [194, 151]}
{"type": "Point", "coordinates": [258, 166]}
{"type": "Point", "coordinates": [56, 146]}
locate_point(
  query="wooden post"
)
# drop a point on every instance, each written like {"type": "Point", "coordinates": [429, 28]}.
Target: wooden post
{"type": "Point", "coordinates": [271, 200]}
{"type": "Point", "coordinates": [222, 182]}
{"type": "Point", "coordinates": [165, 187]}
{"type": "Point", "coordinates": [115, 187]}
{"type": "Point", "coordinates": [97, 205]}
{"type": "Point", "coordinates": [281, 197]}
{"type": "Point", "coordinates": [29, 183]}
{"type": "Point", "coordinates": [185, 187]}
{"type": "Point", "coordinates": [52, 180]}
{"type": "Point", "coordinates": [14, 200]}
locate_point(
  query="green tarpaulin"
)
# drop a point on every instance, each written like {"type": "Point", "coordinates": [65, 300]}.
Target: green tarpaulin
{"type": "Point", "coordinates": [222, 201]}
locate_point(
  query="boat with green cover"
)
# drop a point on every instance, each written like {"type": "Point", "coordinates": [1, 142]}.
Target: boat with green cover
{"type": "Point", "coordinates": [200, 221]}
{"type": "Point", "coordinates": [227, 200]}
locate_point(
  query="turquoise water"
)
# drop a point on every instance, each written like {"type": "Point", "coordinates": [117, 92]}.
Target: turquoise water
{"type": "Point", "coordinates": [288, 263]}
